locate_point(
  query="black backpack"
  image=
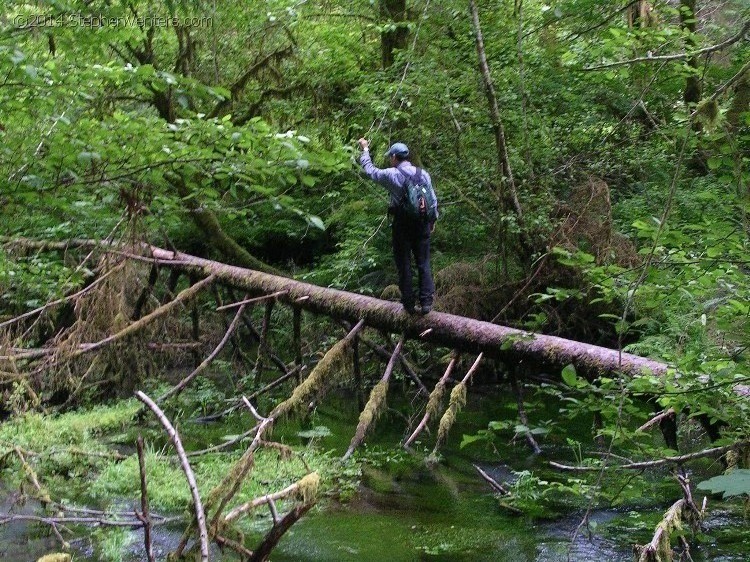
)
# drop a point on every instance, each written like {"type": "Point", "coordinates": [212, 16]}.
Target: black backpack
{"type": "Point", "coordinates": [418, 200]}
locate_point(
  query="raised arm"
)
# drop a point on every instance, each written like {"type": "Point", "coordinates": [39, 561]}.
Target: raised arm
{"type": "Point", "coordinates": [387, 177]}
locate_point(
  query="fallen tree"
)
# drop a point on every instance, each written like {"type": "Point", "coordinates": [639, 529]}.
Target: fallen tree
{"type": "Point", "coordinates": [449, 330]}
{"type": "Point", "coordinates": [437, 328]}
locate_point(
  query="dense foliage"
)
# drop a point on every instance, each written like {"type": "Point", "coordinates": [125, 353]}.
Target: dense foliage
{"type": "Point", "coordinates": [627, 128]}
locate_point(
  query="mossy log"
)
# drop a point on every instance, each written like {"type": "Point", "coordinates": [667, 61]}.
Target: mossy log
{"type": "Point", "coordinates": [455, 332]}
{"type": "Point", "coordinates": [660, 549]}
{"type": "Point", "coordinates": [452, 331]}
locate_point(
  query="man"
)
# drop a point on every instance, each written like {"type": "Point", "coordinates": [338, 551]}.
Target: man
{"type": "Point", "coordinates": [409, 235]}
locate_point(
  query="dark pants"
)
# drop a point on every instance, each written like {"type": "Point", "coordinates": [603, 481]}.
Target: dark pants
{"type": "Point", "coordinates": [412, 238]}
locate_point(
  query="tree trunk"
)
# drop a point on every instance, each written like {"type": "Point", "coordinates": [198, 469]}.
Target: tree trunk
{"type": "Point", "coordinates": [215, 235]}
{"type": "Point", "coordinates": [692, 93]}
{"type": "Point", "coordinates": [454, 332]}
{"type": "Point", "coordinates": [740, 102]}
{"type": "Point", "coordinates": [437, 328]}
{"type": "Point", "coordinates": [393, 12]}
{"type": "Point", "coordinates": [503, 159]}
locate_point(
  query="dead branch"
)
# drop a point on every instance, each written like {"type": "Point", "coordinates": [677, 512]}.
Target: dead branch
{"type": "Point", "coordinates": [723, 88]}
{"type": "Point", "coordinates": [436, 396]}
{"type": "Point", "coordinates": [375, 404]}
{"type": "Point", "coordinates": [144, 516]}
{"type": "Point", "coordinates": [297, 339]}
{"type": "Point", "coordinates": [381, 352]}
{"type": "Point", "coordinates": [318, 379]}
{"type": "Point", "coordinates": [504, 166]}
{"type": "Point", "coordinates": [306, 486]}
{"type": "Point", "coordinates": [250, 301]}
{"type": "Point", "coordinates": [61, 300]}
{"type": "Point", "coordinates": [682, 511]}
{"type": "Point", "coordinates": [226, 444]}
{"type": "Point", "coordinates": [263, 347]}
{"type": "Point", "coordinates": [275, 359]}
{"type": "Point", "coordinates": [241, 82]}
{"type": "Point", "coordinates": [659, 544]}
{"type": "Point", "coordinates": [207, 361]}
{"type": "Point", "coordinates": [234, 545]}
{"type": "Point", "coordinates": [93, 521]}
{"type": "Point", "coordinates": [136, 326]}
{"type": "Point", "coordinates": [454, 332]}
{"type": "Point", "coordinates": [669, 412]}
{"type": "Point", "coordinates": [494, 484]}
{"type": "Point", "coordinates": [184, 462]}
{"type": "Point", "coordinates": [407, 368]}
{"type": "Point", "coordinates": [678, 56]}
{"type": "Point", "coordinates": [456, 402]}
{"type": "Point", "coordinates": [223, 493]}
{"type": "Point", "coordinates": [518, 391]}
{"type": "Point", "coordinates": [713, 452]}
{"type": "Point", "coordinates": [42, 493]}
{"type": "Point", "coordinates": [269, 542]}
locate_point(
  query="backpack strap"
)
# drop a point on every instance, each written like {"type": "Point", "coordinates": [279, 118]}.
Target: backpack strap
{"type": "Point", "coordinates": [417, 177]}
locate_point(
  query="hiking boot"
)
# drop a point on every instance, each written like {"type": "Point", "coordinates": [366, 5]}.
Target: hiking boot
{"type": "Point", "coordinates": [425, 309]}
{"type": "Point", "coordinates": [409, 309]}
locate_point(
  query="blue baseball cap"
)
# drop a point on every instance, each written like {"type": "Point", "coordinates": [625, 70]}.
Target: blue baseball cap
{"type": "Point", "coordinates": [398, 149]}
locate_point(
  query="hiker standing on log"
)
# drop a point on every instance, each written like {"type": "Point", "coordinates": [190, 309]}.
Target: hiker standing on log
{"type": "Point", "coordinates": [413, 206]}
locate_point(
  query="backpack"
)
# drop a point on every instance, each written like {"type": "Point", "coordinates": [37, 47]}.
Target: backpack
{"type": "Point", "coordinates": [418, 201]}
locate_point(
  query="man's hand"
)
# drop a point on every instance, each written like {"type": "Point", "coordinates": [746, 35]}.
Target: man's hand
{"type": "Point", "coordinates": [363, 144]}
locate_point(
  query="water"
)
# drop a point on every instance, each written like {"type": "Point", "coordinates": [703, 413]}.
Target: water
{"type": "Point", "coordinates": [407, 511]}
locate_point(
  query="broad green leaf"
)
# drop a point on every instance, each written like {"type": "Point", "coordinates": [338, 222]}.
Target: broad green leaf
{"type": "Point", "coordinates": [736, 483]}
{"type": "Point", "coordinates": [569, 375]}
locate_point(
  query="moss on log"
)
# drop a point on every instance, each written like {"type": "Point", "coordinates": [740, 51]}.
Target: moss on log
{"type": "Point", "coordinates": [454, 332]}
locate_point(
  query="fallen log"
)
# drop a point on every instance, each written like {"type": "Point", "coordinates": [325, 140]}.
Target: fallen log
{"type": "Point", "coordinates": [455, 332]}
{"type": "Point", "coordinates": [438, 328]}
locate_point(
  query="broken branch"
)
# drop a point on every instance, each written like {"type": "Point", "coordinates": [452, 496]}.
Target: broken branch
{"type": "Point", "coordinates": [185, 463]}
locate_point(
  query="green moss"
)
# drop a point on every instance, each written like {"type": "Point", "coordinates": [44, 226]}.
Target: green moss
{"type": "Point", "coordinates": [111, 541]}
{"type": "Point", "coordinates": [321, 377]}
{"type": "Point", "coordinates": [38, 432]}
{"type": "Point", "coordinates": [371, 411]}
{"type": "Point", "coordinates": [168, 489]}
{"type": "Point", "coordinates": [436, 397]}
{"type": "Point", "coordinates": [457, 401]}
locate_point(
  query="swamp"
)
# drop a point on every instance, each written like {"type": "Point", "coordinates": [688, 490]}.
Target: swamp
{"type": "Point", "coordinates": [209, 344]}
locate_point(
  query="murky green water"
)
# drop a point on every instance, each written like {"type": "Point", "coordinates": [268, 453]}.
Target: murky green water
{"type": "Point", "coordinates": [408, 511]}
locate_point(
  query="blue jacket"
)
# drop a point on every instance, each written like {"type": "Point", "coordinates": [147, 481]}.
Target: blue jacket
{"type": "Point", "coordinates": [391, 178]}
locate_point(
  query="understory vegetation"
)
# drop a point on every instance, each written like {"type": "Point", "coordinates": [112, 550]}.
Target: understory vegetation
{"type": "Point", "coordinates": [179, 178]}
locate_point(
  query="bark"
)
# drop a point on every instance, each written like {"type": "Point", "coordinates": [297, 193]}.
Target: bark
{"type": "Point", "coordinates": [504, 166]}
{"type": "Point", "coordinates": [179, 387]}
{"type": "Point", "coordinates": [433, 403]}
{"type": "Point", "coordinates": [740, 101]}
{"type": "Point", "coordinates": [189, 475]}
{"type": "Point", "coordinates": [678, 460]}
{"type": "Point", "coordinates": [393, 11]}
{"type": "Point", "coordinates": [273, 536]}
{"type": "Point", "coordinates": [215, 235]}
{"type": "Point", "coordinates": [144, 516]}
{"type": "Point", "coordinates": [692, 93]}
{"type": "Point", "coordinates": [437, 328]}
{"type": "Point", "coordinates": [448, 330]}
{"type": "Point", "coordinates": [375, 404]}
